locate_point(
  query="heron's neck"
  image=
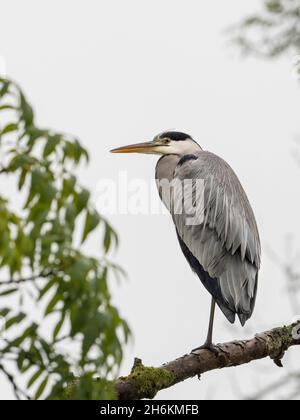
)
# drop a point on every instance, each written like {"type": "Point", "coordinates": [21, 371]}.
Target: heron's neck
{"type": "Point", "coordinates": [188, 148]}
{"type": "Point", "coordinates": [165, 167]}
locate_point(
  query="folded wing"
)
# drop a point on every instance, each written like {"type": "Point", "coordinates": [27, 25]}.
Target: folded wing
{"type": "Point", "coordinates": [217, 232]}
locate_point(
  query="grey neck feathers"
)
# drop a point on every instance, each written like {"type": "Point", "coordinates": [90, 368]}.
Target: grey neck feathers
{"type": "Point", "coordinates": [165, 167]}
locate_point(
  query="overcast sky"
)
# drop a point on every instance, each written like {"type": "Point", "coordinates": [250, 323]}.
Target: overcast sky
{"type": "Point", "coordinates": [115, 72]}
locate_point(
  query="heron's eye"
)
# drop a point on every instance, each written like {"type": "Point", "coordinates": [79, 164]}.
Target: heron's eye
{"type": "Point", "coordinates": [166, 141]}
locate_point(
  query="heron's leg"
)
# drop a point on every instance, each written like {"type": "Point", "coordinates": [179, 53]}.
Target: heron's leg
{"type": "Point", "coordinates": [211, 323]}
{"type": "Point", "coordinates": [208, 345]}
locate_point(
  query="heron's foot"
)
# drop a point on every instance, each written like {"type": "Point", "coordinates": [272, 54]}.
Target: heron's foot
{"type": "Point", "coordinates": [207, 346]}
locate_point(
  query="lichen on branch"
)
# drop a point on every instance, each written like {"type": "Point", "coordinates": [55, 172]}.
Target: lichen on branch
{"type": "Point", "coordinates": [143, 381]}
{"type": "Point", "coordinates": [146, 382]}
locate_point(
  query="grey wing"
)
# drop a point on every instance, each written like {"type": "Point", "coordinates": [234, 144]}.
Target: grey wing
{"type": "Point", "coordinates": [217, 232]}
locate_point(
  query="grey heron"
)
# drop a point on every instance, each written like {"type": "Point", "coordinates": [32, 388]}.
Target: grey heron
{"type": "Point", "coordinates": [223, 249]}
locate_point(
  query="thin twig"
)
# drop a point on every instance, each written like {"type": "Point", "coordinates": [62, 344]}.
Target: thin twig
{"type": "Point", "coordinates": [27, 279]}
{"type": "Point", "coordinates": [17, 391]}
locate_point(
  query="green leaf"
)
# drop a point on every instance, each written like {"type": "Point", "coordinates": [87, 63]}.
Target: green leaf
{"type": "Point", "coordinates": [26, 111]}
{"type": "Point", "coordinates": [274, 6]}
{"type": "Point", "coordinates": [9, 128]}
{"type": "Point", "coordinates": [4, 312]}
{"type": "Point", "coordinates": [92, 220]}
{"type": "Point", "coordinates": [22, 178]}
{"type": "Point", "coordinates": [92, 331]}
{"type": "Point", "coordinates": [9, 291]}
{"type": "Point", "coordinates": [68, 186]}
{"type": "Point", "coordinates": [52, 304]}
{"type": "Point", "coordinates": [51, 144]}
{"type": "Point", "coordinates": [81, 200]}
{"type": "Point", "coordinates": [6, 107]}
{"type": "Point", "coordinates": [58, 326]}
{"type": "Point", "coordinates": [34, 134]}
{"type": "Point", "coordinates": [22, 161]}
{"type": "Point", "coordinates": [21, 359]}
{"type": "Point", "coordinates": [35, 377]}
{"type": "Point", "coordinates": [47, 287]}
{"type": "Point", "coordinates": [29, 332]}
{"type": "Point", "coordinates": [107, 239]}
{"type": "Point", "coordinates": [5, 87]}
{"type": "Point", "coordinates": [14, 320]}
{"type": "Point", "coordinates": [41, 388]}
{"type": "Point", "coordinates": [39, 180]}
{"type": "Point", "coordinates": [80, 269]}
{"type": "Point", "coordinates": [71, 214]}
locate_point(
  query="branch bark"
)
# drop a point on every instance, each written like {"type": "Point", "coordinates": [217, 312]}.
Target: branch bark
{"type": "Point", "coordinates": [145, 382]}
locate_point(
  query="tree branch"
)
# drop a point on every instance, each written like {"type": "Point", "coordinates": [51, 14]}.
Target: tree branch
{"type": "Point", "coordinates": [26, 279]}
{"type": "Point", "coordinates": [17, 391]}
{"type": "Point", "coordinates": [145, 382]}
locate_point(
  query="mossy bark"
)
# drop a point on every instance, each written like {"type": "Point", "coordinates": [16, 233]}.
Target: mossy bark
{"type": "Point", "coordinates": [145, 382]}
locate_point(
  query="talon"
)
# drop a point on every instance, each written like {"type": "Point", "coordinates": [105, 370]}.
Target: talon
{"type": "Point", "coordinates": [208, 346]}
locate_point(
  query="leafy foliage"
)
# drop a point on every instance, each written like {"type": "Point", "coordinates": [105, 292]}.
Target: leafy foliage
{"type": "Point", "coordinates": [273, 31]}
{"type": "Point", "coordinates": [59, 319]}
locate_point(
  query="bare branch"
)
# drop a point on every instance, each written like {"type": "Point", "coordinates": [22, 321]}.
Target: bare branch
{"type": "Point", "coordinates": [26, 279]}
{"type": "Point", "coordinates": [17, 391]}
{"type": "Point", "coordinates": [145, 382]}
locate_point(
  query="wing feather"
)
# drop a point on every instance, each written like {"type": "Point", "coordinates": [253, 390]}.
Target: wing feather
{"type": "Point", "coordinates": [225, 240]}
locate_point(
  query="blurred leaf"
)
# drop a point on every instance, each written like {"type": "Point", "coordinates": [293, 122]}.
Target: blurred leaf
{"type": "Point", "coordinates": [52, 304]}
{"type": "Point", "coordinates": [81, 200]}
{"type": "Point", "coordinates": [41, 388]}
{"type": "Point", "coordinates": [14, 320]}
{"type": "Point", "coordinates": [26, 111]}
{"type": "Point", "coordinates": [51, 144]}
{"type": "Point", "coordinates": [47, 287]}
{"type": "Point", "coordinates": [6, 107]}
{"type": "Point", "coordinates": [35, 377]}
{"type": "Point", "coordinates": [58, 327]}
{"type": "Point", "coordinates": [9, 291]}
{"type": "Point", "coordinates": [38, 232]}
{"type": "Point", "coordinates": [9, 128]}
{"type": "Point", "coordinates": [92, 220]}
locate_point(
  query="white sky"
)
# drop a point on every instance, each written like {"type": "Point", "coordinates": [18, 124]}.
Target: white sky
{"type": "Point", "coordinates": [115, 72]}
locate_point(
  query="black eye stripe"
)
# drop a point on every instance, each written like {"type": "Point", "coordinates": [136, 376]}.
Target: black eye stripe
{"type": "Point", "coordinates": [175, 135]}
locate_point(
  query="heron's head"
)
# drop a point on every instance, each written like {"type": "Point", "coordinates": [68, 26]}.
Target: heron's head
{"type": "Point", "coordinates": [167, 143]}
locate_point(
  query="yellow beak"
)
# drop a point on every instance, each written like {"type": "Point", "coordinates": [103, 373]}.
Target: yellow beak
{"type": "Point", "coordinates": [147, 147]}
